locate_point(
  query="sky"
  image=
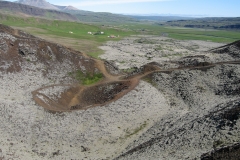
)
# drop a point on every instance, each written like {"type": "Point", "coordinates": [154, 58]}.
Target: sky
{"type": "Point", "coordinates": [197, 8]}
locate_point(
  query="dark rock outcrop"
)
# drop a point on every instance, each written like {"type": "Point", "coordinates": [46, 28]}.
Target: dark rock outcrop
{"type": "Point", "coordinates": [226, 153]}
{"type": "Point", "coordinates": [232, 49]}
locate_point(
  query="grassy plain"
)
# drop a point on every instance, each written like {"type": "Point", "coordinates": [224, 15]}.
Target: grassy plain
{"type": "Point", "coordinates": [186, 33]}
{"type": "Point", "coordinates": [59, 32]}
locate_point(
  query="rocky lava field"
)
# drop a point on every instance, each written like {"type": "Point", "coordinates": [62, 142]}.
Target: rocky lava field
{"type": "Point", "coordinates": [172, 103]}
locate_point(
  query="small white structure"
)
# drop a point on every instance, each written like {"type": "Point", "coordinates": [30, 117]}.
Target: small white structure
{"type": "Point", "coordinates": [89, 32]}
{"type": "Point", "coordinates": [70, 32]}
{"type": "Point", "coordinates": [102, 32]}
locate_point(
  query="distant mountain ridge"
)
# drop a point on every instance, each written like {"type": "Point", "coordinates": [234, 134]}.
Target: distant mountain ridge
{"type": "Point", "coordinates": [26, 10]}
{"type": "Point", "coordinates": [159, 18]}
{"type": "Point", "coordinates": [52, 11]}
{"type": "Point", "coordinates": [45, 5]}
{"type": "Point", "coordinates": [229, 23]}
{"type": "Point", "coordinates": [84, 16]}
{"type": "Point", "coordinates": [100, 17]}
{"type": "Point", "coordinates": [67, 8]}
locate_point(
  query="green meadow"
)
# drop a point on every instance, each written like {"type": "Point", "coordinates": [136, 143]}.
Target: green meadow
{"type": "Point", "coordinates": [75, 34]}
{"type": "Point", "coordinates": [222, 36]}
{"type": "Point", "coordinates": [70, 34]}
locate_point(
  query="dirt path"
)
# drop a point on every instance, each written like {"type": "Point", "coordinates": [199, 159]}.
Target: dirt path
{"type": "Point", "coordinates": [110, 89]}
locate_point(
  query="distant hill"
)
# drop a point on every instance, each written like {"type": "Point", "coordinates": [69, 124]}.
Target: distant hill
{"type": "Point", "coordinates": [209, 23]}
{"type": "Point", "coordinates": [25, 10]}
{"type": "Point", "coordinates": [38, 3]}
{"type": "Point", "coordinates": [84, 16]}
{"type": "Point", "coordinates": [159, 18]}
{"type": "Point", "coordinates": [101, 17]}
{"type": "Point", "coordinates": [45, 5]}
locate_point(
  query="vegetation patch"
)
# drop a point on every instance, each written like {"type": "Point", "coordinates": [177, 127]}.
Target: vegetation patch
{"type": "Point", "coordinates": [158, 48]}
{"type": "Point", "coordinates": [86, 78]}
{"type": "Point", "coordinates": [136, 130]}
{"type": "Point", "coordinates": [129, 70]}
{"type": "Point", "coordinates": [144, 41]}
{"type": "Point", "coordinates": [150, 81]}
{"type": "Point", "coordinates": [96, 54]}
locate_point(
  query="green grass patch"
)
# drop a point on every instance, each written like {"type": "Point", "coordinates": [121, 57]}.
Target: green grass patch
{"type": "Point", "coordinates": [91, 79]}
{"type": "Point", "coordinates": [96, 54]}
{"type": "Point", "coordinates": [86, 78]}
{"type": "Point", "coordinates": [223, 36]}
{"type": "Point", "coordinates": [129, 70]}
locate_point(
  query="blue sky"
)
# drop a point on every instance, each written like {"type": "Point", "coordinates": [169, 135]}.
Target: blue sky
{"type": "Point", "coordinates": [225, 8]}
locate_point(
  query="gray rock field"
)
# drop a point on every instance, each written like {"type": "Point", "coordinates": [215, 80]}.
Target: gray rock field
{"type": "Point", "coordinates": [190, 134]}
{"type": "Point", "coordinates": [137, 51]}
{"type": "Point", "coordinates": [172, 114]}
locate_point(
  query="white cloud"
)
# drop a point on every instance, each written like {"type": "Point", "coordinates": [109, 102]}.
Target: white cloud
{"type": "Point", "coordinates": [102, 2]}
